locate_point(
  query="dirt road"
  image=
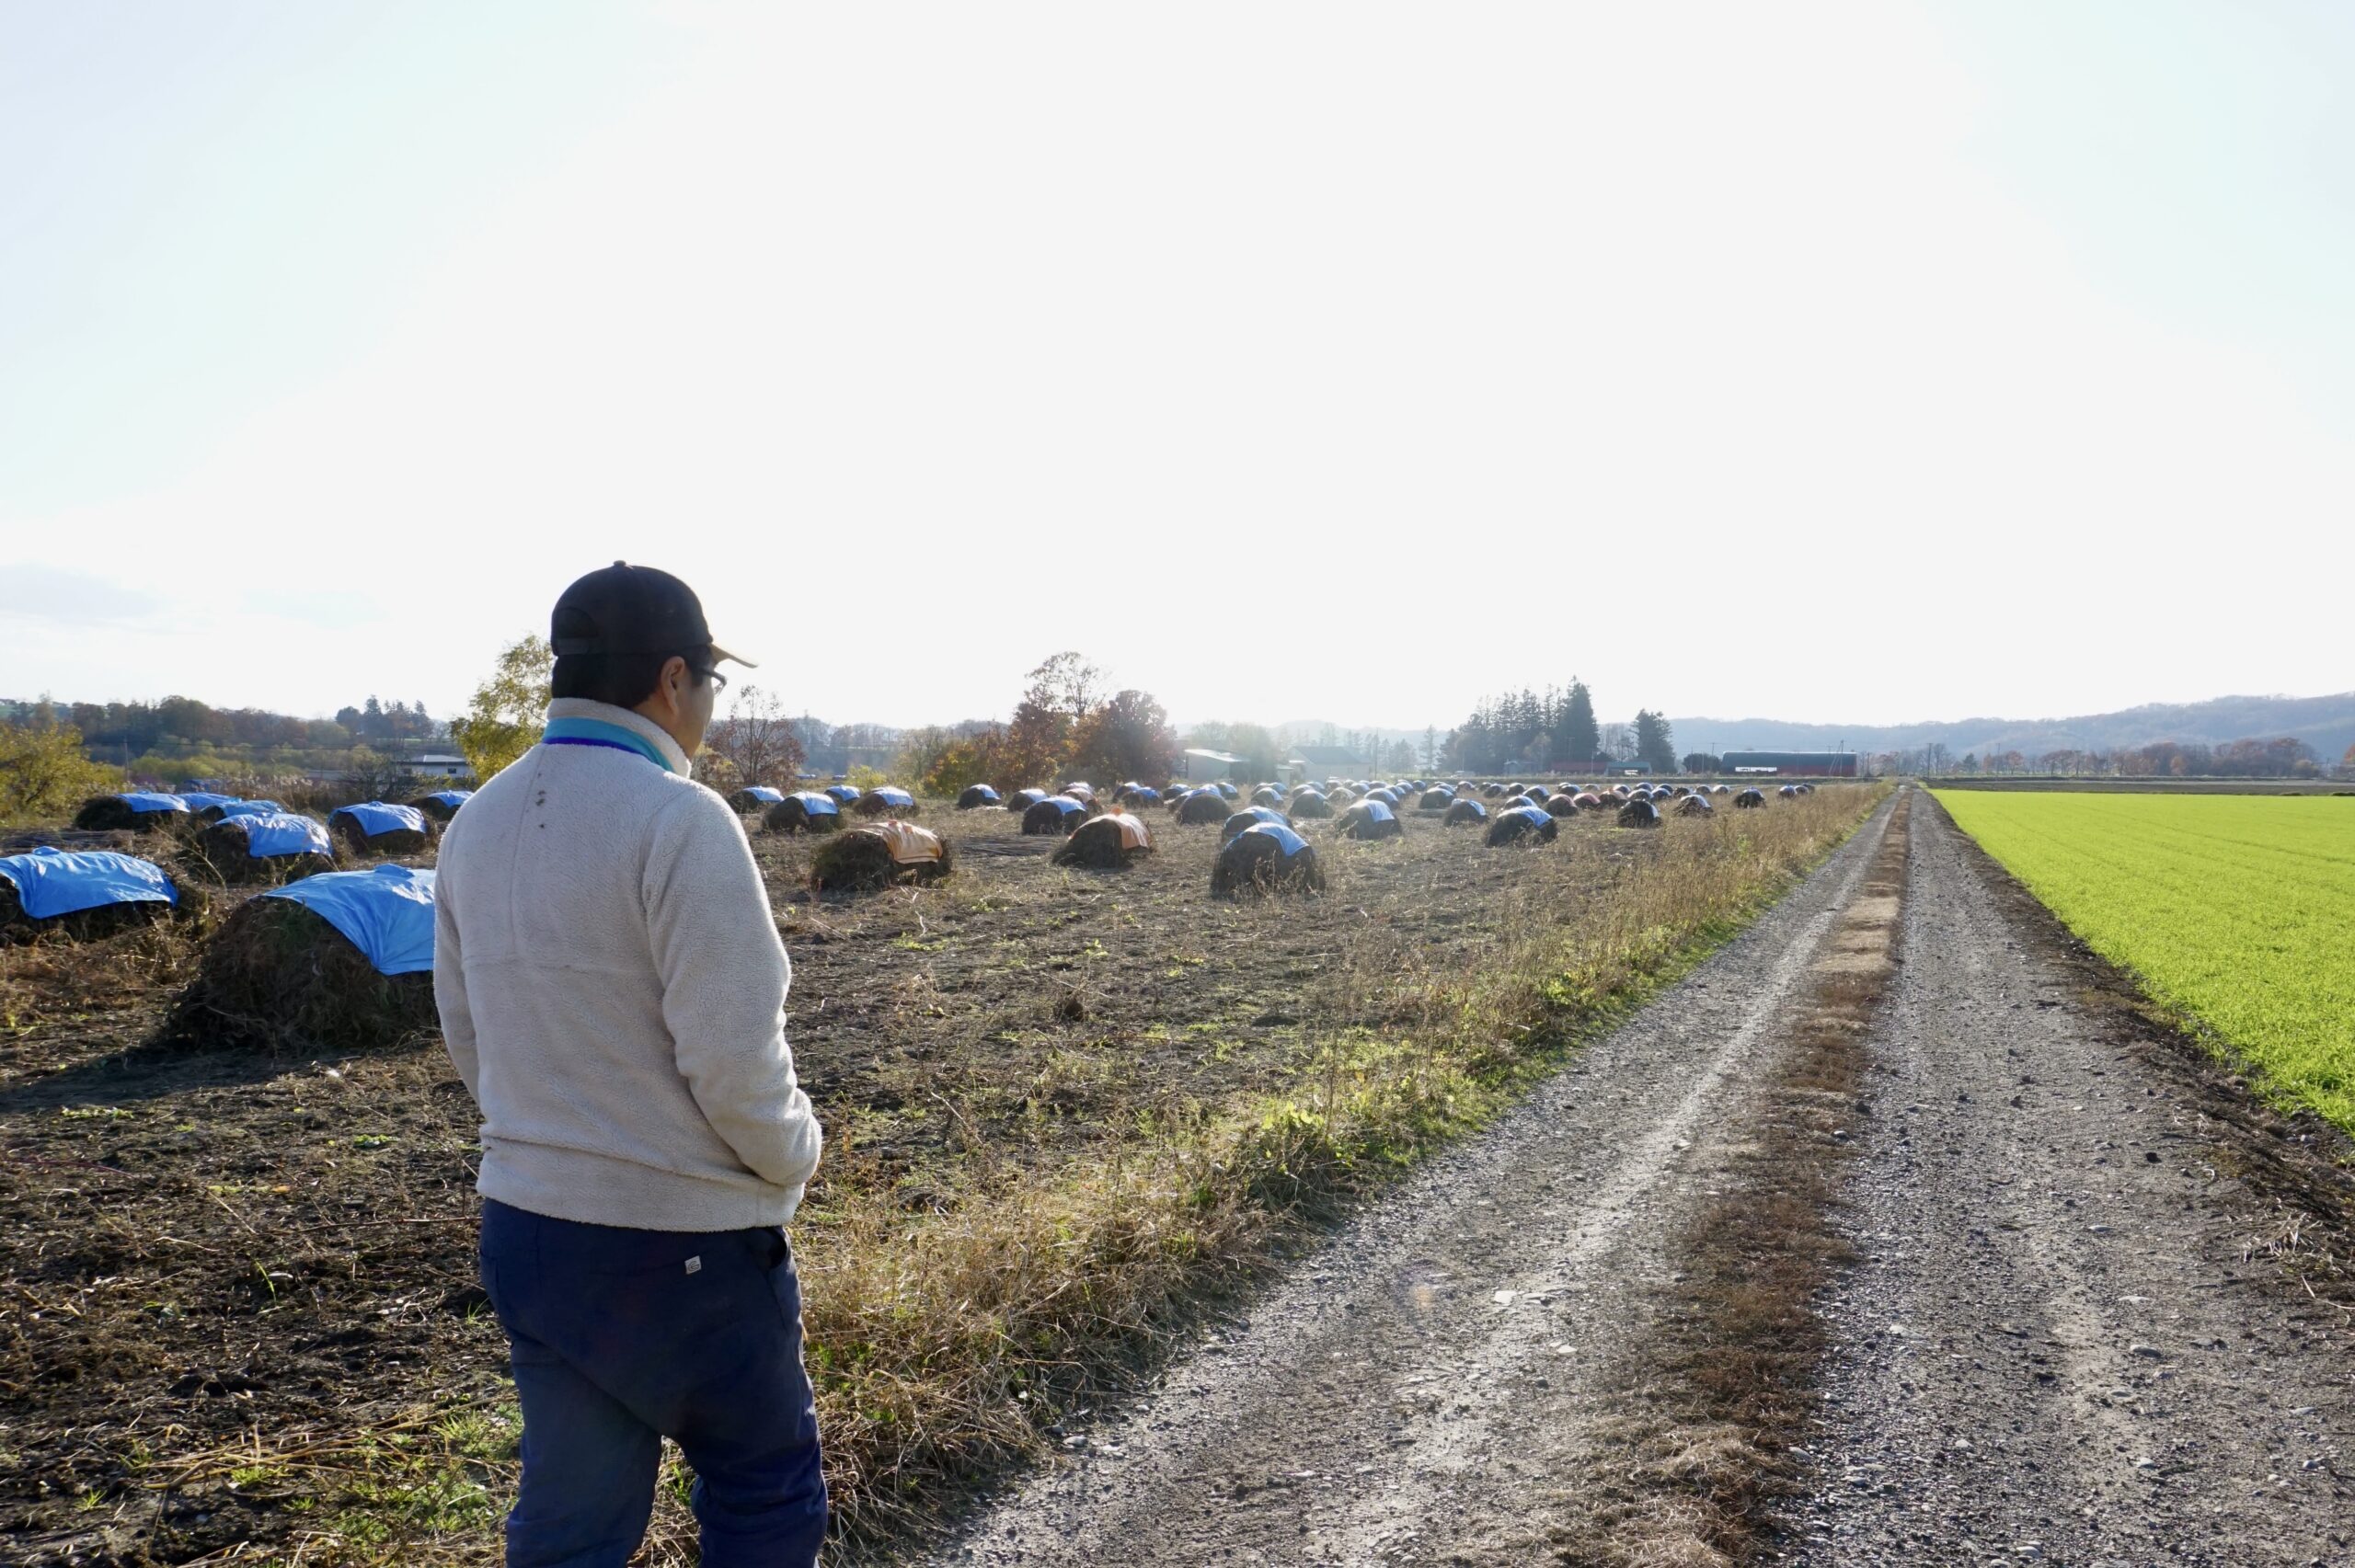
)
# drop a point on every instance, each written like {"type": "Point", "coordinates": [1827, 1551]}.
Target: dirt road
{"type": "Point", "coordinates": [1596, 1334]}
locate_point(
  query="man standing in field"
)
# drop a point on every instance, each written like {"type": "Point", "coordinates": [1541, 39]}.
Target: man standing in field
{"type": "Point", "coordinates": [613, 992]}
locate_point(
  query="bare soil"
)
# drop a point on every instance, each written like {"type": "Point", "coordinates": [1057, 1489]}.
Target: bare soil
{"type": "Point", "coordinates": [239, 1304]}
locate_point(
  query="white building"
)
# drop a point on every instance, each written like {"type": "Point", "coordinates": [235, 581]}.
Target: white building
{"type": "Point", "coordinates": [1209, 767]}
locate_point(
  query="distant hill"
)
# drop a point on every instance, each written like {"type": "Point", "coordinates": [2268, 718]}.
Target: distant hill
{"type": "Point", "coordinates": [2327, 724]}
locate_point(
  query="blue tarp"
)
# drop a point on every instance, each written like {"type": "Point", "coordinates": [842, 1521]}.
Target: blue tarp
{"type": "Point", "coordinates": [984, 792]}
{"type": "Point", "coordinates": [842, 793]}
{"type": "Point", "coordinates": [1148, 795]}
{"type": "Point", "coordinates": [1066, 805]}
{"type": "Point", "coordinates": [1293, 842]}
{"type": "Point", "coordinates": [375, 817]}
{"type": "Point", "coordinates": [453, 798]}
{"type": "Point", "coordinates": [890, 795]}
{"type": "Point", "coordinates": [1376, 811]}
{"type": "Point", "coordinates": [230, 809]}
{"type": "Point", "coordinates": [1477, 809]}
{"type": "Point", "coordinates": [52, 882]}
{"type": "Point", "coordinates": [1029, 796]}
{"type": "Point", "coordinates": [387, 914]}
{"type": "Point", "coordinates": [816, 803]}
{"type": "Point", "coordinates": [143, 802]}
{"type": "Point", "coordinates": [282, 832]}
{"type": "Point", "coordinates": [1227, 790]}
{"type": "Point", "coordinates": [1536, 814]}
{"type": "Point", "coordinates": [197, 800]}
{"type": "Point", "coordinates": [764, 794]}
{"type": "Point", "coordinates": [1266, 814]}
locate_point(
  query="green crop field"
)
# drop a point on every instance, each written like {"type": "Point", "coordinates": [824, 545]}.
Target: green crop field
{"type": "Point", "coordinates": [2238, 910]}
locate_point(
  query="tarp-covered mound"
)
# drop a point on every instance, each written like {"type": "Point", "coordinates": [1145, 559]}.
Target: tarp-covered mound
{"type": "Point", "coordinates": [1249, 817]}
{"type": "Point", "coordinates": [1435, 800]}
{"type": "Point", "coordinates": [1266, 859]}
{"type": "Point", "coordinates": [137, 811]}
{"type": "Point", "coordinates": [974, 797]}
{"type": "Point", "coordinates": [1748, 800]}
{"type": "Point", "coordinates": [1371, 819]}
{"type": "Point", "coordinates": [1465, 813]}
{"type": "Point", "coordinates": [1695, 806]}
{"type": "Point", "coordinates": [1267, 794]}
{"type": "Point", "coordinates": [1106, 841]}
{"type": "Point", "coordinates": [809, 810]}
{"type": "Point", "coordinates": [443, 804]}
{"type": "Point", "coordinates": [274, 847]}
{"type": "Point", "coordinates": [874, 856]}
{"type": "Point", "coordinates": [754, 798]}
{"type": "Point", "coordinates": [1308, 804]}
{"type": "Point", "coordinates": [843, 792]}
{"type": "Point", "coordinates": [375, 828]}
{"type": "Point", "coordinates": [885, 800]}
{"type": "Point", "coordinates": [1640, 813]}
{"type": "Point", "coordinates": [198, 799]}
{"type": "Point", "coordinates": [1054, 813]}
{"type": "Point", "coordinates": [1200, 805]}
{"type": "Point", "coordinates": [1788, 792]}
{"type": "Point", "coordinates": [1024, 799]}
{"type": "Point", "coordinates": [343, 960]}
{"type": "Point", "coordinates": [228, 808]}
{"type": "Point", "coordinates": [1587, 800]}
{"type": "Point", "coordinates": [1561, 805]}
{"type": "Point", "coordinates": [1523, 825]}
{"type": "Point", "coordinates": [80, 894]}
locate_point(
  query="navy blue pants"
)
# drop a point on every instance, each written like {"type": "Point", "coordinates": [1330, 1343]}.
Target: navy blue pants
{"type": "Point", "coordinates": [623, 1337]}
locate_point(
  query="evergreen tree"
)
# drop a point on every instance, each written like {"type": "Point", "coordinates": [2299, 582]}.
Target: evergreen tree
{"type": "Point", "coordinates": [1655, 746]}
{"type": "Point", "coordinates": [1578, 737]}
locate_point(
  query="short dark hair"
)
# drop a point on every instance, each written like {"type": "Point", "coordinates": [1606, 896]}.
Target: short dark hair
{"type": "Point", "coordinates": [621, 679]}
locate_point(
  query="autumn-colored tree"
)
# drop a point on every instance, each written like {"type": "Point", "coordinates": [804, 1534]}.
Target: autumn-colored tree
{"type": "Point", "coordinates": [44, 775]}
{"type": "Point", "coordinates": [504, 719]}
{"type": "Point", "coordinates": [1128, 738]}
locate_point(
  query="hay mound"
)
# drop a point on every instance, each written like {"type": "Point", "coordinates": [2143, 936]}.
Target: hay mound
{"type": "Point", "coordinates": [1051, 815]}
{"type": "Point", "coordinates": [278, 976]}
{"type": "Point", "coordinates": [1202, 805]}
{"type": "Point", "coordinates": [793, 815]}
{"type": "Point", "coordinates": [436, 810]}
{"type": "Point", "coordinates": [221, 849]}
{"type": "Point", "coordinates": [975, 796]}
{"type": "Point", "coordinates": [1106, 843]}
{"type": "Point", "coordinates": [1640, 813]}
{"type": "Point", "coordinates": [1435, 800]}
{"type": "Point", "coordinates": [867, 860]}
{"type": "Point", "coordinates": [87, 925]}
{"type": "Point", "coordinates": [1748, 800]}
{"type": "Point", "coordinates": [354, 839]}
{"type": "Point", "coordinates": [1463, 812]}
{"type": "Point", "coordinates": [1309, 805]}
{"type": "Point", "coordinates": [1268, 794]}
{"type": "Point", "coordinates": [885, 801]}
{"type": "Point", "coordinates": [752, 799]}
{"type": "Point", "coordinates": [1521, 828]}
{"type": "Point", "coordinates": [1360, 821]}
{"type": "Point", "coordinates": [1245, 820]}
{"type": "Point", "coordinates": [1695, 806]}
{"type": "Point", "coordinates": [1255, 862]}
{"type": "Point", "coordinates": [113, 814]}
{"type": "Point", "coordinates": [1561, 805]}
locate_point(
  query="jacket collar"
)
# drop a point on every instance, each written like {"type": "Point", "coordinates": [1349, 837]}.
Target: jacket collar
{"type": "Point", "coordinates": [640, 726]}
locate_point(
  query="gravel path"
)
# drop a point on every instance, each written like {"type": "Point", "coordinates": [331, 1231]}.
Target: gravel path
{"type": "Point", "coordinates": [2054, 1344]}
{"type": "Point", "coordinates": [1399, 1399]}
{"type": "Point", "coordinates": [2059, 1341]}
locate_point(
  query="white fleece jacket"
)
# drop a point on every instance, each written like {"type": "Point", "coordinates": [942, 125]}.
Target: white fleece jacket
{"type": "Point", "coordinates": [613, 990]}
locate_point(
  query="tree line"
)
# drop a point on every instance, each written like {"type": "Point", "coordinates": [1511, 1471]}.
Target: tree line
{"type": "Point", "coordinates": [1555, 731]}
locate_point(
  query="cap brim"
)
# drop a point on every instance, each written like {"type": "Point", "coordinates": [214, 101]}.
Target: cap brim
{"type": "Point", "coordinates": [719, 654]}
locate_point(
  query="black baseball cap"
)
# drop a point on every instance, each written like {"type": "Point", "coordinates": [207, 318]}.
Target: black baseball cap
{"type": "Point", "coordinates": [626, 609]}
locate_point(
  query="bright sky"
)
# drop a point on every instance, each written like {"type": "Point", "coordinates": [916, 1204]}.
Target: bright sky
{"type": "Point", "coordinates": [1865, 363]}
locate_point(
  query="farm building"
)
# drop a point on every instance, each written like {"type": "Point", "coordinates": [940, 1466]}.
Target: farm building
{"type": "Point", "coordinates": [1207, 767]}
{"type": "Point", "coordinates": [1794, 764]}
